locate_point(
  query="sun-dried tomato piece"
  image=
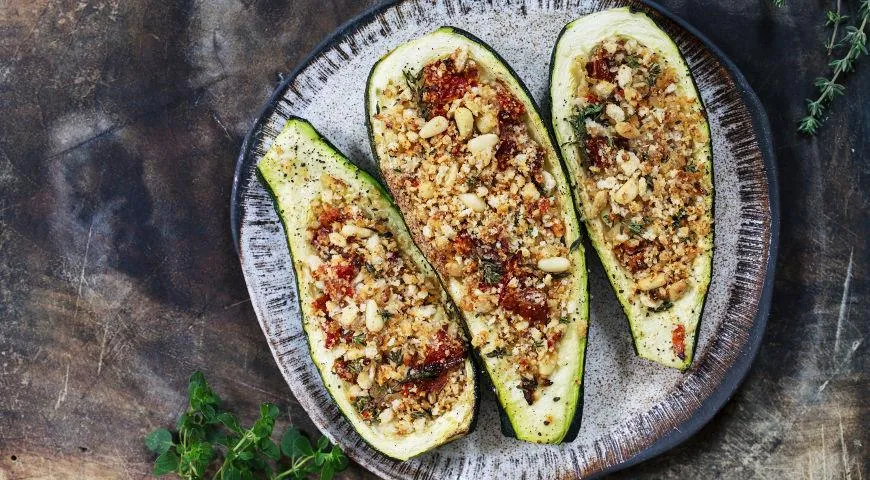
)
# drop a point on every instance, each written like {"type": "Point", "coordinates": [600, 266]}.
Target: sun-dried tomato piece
{"type": "Point", "coordinates": [329, 215]}
{"type": "Point", "coordinates": [333, 334]}
{"type": "Point", "coordinates": [441, 84]}
{"type": "Point", "coordinates": [678, 338]}
{"type": "Point", "coordinates": [596, 151]}
{"type": "Point", "coordinates": [463, 243]}
{"type": "Point", "coordinates": [506, 150]}
{"type": "Point", "coordinates": [632, 256]}
{"type": "Point", "coordinates": [319, 304]}
{"type": "Point", "coordinates": [342, 369]}
{"type": "Point", "coordinates": [511, 110]}
{"type": "Point", "coordinates": [443, 351]}
{"type": "Point", "coordinates": [527, 302]}
{"type": "Point", "coordinates": [599, 68]}
{"type": "Point", "coordinates": [554, 339]}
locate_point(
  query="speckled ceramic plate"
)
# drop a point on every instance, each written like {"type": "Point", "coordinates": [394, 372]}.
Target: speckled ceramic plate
{"type": "Point", "coordinates": [633, 409]}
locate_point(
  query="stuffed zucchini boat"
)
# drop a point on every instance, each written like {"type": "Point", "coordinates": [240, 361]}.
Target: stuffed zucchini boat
{"type": "Point", "coordinates": [381, 330]}
{"type": "Point", "coordinates": [481, 186]}
{"type": "Point", "coordinates": [634, 135]}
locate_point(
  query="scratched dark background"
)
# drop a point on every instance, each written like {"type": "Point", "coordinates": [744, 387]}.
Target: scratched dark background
{"type": "Point", "coordinates": [121, 122]}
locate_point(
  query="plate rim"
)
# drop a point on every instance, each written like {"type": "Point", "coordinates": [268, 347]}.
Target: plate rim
{"type": "Point", "coordinates": [737, 372]}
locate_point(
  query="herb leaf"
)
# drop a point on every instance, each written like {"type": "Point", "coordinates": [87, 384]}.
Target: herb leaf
{"type": "Point", "coordinates": [492, 271]}
{"type": "Point", "coordinates": [661, 308]}
{"type": "Point", "coordinates": [167, 462]}
{"type": "Point", "coordinates": [159, 441]}
{"type": "Point", "coordinates": [497, 353]}
{"type": "Point", "coordinates": [578, 120]}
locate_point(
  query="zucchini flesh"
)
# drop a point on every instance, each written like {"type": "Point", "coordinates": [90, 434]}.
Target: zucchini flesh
{"type": "Point", "coordinates": [664, 329]}
{"type": "Point", "coordinates": [551, 413]}
{"type": "Point", "coordinates": [302, 171]}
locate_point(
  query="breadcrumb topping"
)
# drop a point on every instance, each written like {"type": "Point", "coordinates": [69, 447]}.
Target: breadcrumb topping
{"type": "Point", "coordinates": [640, 136]}
{"type": "Point", "coordinates": [401, 355]}
{"type": "Point", "coordinates": [475, 184]}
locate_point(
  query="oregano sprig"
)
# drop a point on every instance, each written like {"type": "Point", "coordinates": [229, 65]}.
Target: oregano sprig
{"type": "Point", "coordinates": [206, 432]}
{"type": "Point", "coordinates": [854, 40]}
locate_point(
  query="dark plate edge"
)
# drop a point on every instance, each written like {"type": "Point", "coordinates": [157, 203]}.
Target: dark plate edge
{"type": "Point", "coordinates": [739, 369]}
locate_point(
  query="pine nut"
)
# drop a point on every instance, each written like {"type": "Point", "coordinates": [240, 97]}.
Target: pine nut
{"type": "Point", "coordinates": [374, 321]}
{"type": "Point", "coordinates": [554, 264]}
{"type": "Point", "coordinates": [464, 121]}
{"type": "Point", "coordinates": [482, 142]}
{"type": "Point", "coordinates": [473, 202]}
{"type": "Point", "coordinates": [434, 127]}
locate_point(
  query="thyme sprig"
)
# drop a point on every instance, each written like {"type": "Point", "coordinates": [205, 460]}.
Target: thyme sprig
{"type": "Point", "coordinates": [854, 40]}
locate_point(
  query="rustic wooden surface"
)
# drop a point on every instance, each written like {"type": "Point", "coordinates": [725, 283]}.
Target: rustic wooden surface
{"type": "Point", "coordinates": [121, 124]}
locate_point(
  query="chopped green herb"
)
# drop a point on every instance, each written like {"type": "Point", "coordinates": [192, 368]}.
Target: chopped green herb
{"type": "Point", "coordinates": [492, 271]}
{"type": "Point", "coordinates": [497, 353]}
{"type": "Point", "coordinates": [654, 72]}
{"type": "Point", "coordinates": [371, 269]}
{"type": "Point", "coordinates": [636, 228]}
{"type": "Point", "coordinates": [356, 366]}
{"type": "Point", "coordinates": [564, 320]}
{"type": "Point", "coordinates": [678, 218]}
{"type": "Point", "coordinates": [396, 356]}
{"type": "Point", "coordinates": [575, 244]}
{"type": "Point", "coordinates": [538, 343]}
{"type": "Point", "coordinates": [578, 120]}
{"type": "Point", "coordinates": [661, 308]}
{"type": "Point", "coordinates": [690, 167]}
{"type": "Point", "coordinates": [632, 61]}
{"type": "Point", "coordinates": [360, 339]}
{"type": "Point", "coordinates": [413, 82]}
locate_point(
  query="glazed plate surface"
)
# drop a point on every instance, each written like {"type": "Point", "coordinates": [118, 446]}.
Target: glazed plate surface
{"type": "Point", "coordinates": [633, 409]}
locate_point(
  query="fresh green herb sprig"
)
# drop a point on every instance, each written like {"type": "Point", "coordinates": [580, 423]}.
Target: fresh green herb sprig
{"type": "Point", "coordinates": [206, 433]}
{"type": "Point", "coordinates": [414, 85]}
{"type": "Point", "coordinates": [578, 120]}
{"type": "Point", "coordinates": [854, 41]}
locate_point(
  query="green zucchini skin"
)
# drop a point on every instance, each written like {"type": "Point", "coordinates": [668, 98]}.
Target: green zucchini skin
{"type": "Point", "coordinates": [288, 174]}
{"type": "Point", "coordinates": [626, 22]}
{"type": "Point", "coordinates": [570, 425]}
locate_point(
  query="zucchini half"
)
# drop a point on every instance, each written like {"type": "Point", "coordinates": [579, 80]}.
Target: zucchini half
{"type": "Point", "coordinates": [653, 332]}
{"type": "Point", "coordinates": [292, 171]}
{"type": "Point", "coordinates": [555, 416]}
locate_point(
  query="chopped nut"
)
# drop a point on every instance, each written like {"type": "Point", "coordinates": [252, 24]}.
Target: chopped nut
{"type": "Point", "coordinates": [626, 130]}
{"type": "Point", "coordinates": [530, 192]}
{"type": "Point", "coordinates": [486, 122]}
{"type": "Point", "coordinates": [651, 283]}
{"type": "Point", "coordinates": [614, 112]}
{"type": "Point", "coordinates": [626, 193]}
